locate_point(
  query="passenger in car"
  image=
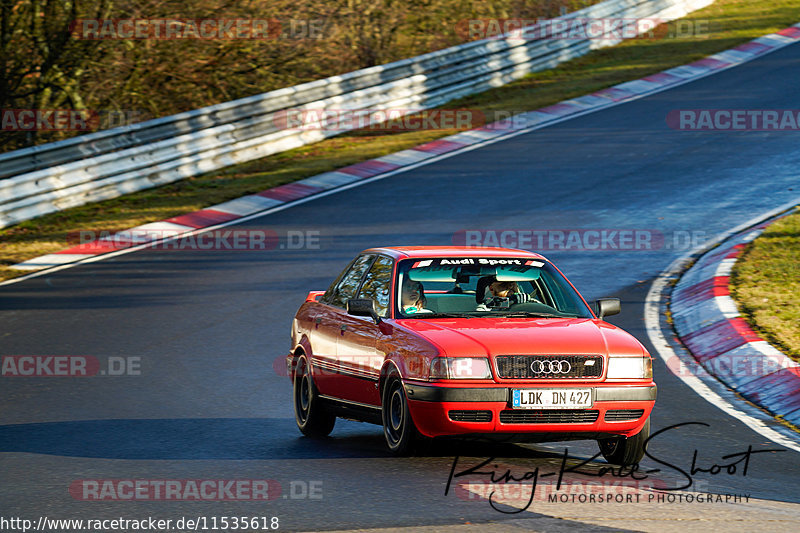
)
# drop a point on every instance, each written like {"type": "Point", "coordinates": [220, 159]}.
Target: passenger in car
{"type": "Point", "coordinates": [413, 297]}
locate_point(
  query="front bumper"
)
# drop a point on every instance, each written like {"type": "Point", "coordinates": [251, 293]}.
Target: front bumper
{"type": "Point", "coordinates": [620, 410]}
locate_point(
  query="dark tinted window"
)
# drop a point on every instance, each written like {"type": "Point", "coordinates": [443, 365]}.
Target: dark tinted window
{"type": "Point", "coordinates": [348, 283]}
{"type": "Point", "coordinates": [328, 293]}
{"type": "Point", "coordinates": [376, 284]}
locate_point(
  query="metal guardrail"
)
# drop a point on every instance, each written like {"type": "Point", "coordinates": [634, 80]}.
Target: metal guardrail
{"type": "Point", "coordinates": [106, 164]}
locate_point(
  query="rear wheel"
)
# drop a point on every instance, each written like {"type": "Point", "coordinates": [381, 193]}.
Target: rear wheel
{"type": "Point", "coordinates": [311, 417]}
{"type": "Point", "coordinates": [625, 450]}
{"type": "Point", "coordinates": [398, 427]}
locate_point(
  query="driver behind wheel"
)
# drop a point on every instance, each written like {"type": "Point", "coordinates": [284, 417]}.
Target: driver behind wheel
{"type": "Point", "coordinates": [503, 294]}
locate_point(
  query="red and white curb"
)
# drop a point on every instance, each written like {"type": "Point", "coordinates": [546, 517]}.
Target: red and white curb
{"type": "Point", "coordinates": [246, 206]}
{"type": "Point", "coordinates": [708, 323]}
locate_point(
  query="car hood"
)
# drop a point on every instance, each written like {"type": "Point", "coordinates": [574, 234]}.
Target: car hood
{"type": "Point", "coordinates": [534, 336]}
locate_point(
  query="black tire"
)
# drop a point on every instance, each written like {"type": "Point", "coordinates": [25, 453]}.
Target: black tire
{"type": "Point", "coordinates": [398, 427]}
{"type": "Point", "coordinates": [311, 417]}
{"type": "Point", "coordinates": [625, 451]}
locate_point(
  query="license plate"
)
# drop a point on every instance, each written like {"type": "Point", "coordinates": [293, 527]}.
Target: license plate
{"type": "Point", "coordinates": [551, 398]}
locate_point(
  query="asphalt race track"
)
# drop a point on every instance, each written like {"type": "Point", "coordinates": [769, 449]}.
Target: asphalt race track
{"type": "Point", "coordinates": [207, 327]}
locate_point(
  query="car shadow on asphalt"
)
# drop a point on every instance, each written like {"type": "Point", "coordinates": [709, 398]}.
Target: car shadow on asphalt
{"type": "Point", "coordinates": [228, 438]}
{"type": "Point", "coordinates": [192, 438]}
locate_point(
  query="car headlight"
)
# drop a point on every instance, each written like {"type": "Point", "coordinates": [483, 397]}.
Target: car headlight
{"type": "Point", "coordinates": [630, 368]}
{"type": "Point", "coordinates": [460, 368]}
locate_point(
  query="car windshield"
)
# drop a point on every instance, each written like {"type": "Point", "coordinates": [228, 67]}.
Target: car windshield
{"type": "Point", "coordinates": [485, 286]}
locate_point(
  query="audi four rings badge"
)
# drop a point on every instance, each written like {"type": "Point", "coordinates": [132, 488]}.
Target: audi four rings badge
{"type": "Point", "coordinates": [550, 367]}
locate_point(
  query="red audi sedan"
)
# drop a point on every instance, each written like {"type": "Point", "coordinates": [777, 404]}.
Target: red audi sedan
{"type": "Point", "coordinates": [473, 342]}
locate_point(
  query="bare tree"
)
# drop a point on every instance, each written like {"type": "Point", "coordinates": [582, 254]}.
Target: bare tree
{"type": "Point", "coordinates": [369, 28]}
{"type": "Point", "coordinates": [41, 63]}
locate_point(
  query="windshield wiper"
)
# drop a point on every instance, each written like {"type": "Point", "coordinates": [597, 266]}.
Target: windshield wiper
{"type": "Point", "coordinates": [443, 315]}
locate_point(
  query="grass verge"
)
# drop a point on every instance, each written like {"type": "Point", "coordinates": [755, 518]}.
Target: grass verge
{"type": "Point", "coordinates": [726, 23]}
{"type": "Point", "coordinates": [765, 283]}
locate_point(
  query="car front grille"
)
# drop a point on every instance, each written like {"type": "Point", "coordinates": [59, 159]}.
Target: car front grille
{"type": "Point", "coordinates": [549, 366]}
{"type": "Point", "coordinates": [470, 416]}
{"type": "Point", "coordinates": [618, 415]}
{"type": "Point", "coordinates": [549, 416]}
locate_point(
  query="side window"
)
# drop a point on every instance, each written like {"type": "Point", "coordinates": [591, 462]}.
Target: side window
{"type": "Point", "coordinates": [376, 284]}
{"type": "Point", "coordinates": [326, 298]}
{"type": "Point", "coordinates": [348, 284]}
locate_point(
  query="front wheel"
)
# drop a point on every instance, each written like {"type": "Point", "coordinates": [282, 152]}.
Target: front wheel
{"type": "Point", "coordinates": [625, 451]}
{"type": "Point", "coordinates": [398, 427]}
{"type": "Point", "coordinates": [311, 417]}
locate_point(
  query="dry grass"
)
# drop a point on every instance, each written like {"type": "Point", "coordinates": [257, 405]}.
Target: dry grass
{"type": "Point", "coordinates": [766, 284]}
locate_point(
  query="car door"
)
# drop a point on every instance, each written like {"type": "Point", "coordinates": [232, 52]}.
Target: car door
{"type": "Point", "coordinates": [358, 360]}
{"type": "Point", "coordinates": [328, 326]}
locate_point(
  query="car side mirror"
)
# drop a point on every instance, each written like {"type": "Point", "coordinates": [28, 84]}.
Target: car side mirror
{"type": "Point", "coordinates": [607, 307]}
{"type": "Point", "coordinates": [363, 307]}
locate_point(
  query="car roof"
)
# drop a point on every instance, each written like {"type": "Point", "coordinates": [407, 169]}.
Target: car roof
{"type": "Point", "coordinates": [403, 252]}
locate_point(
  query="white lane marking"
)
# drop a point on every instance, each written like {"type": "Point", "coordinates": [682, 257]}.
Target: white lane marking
{"type": "Point", "coordinates": [49, 260]}
{"type": "Point", "coordinates": [329, 180]}
{"type": "Point", "coordinates": [245, 205]}
{"type": "Point", "coordinates": [709, 388]}
{"type": "Point", "coordinates": [459, 151]}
